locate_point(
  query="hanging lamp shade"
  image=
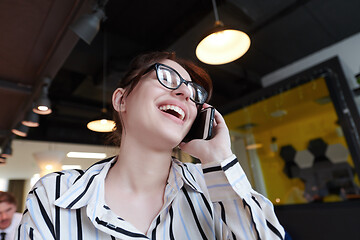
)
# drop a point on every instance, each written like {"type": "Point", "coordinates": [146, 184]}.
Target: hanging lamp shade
{"type": "Point", "coordinates": [49, 161]}
{"type": "Point", "coordinates": [6, 151]}
{"type": "Point", "coordinates": [43, 107]}
{"type": "Point", "coordinates": [20, 130]}
{"type": "Point", "coordinates": [222, 45]}
{"type": "Point", "coordinates": [43, 104]}
{"type": "Point", "coordinates": [88, 25]}
{"type": "Point", "coordinates": [31, 119]}
{"type": "Point", "coordinates": [102, 124]}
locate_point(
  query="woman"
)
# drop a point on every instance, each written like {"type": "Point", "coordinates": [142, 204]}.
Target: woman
{"type": "Point", "coordinates": [143, 192]}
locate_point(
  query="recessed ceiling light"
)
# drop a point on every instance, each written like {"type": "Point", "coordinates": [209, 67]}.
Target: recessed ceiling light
{"type": "Point", "coordinates": [278, 113]}
{"type": "Point", "coordinates": [323, 100]}
{"type": "Point", "coordinates": [254, 146]}
{"type": "Point", "coordinates": [247, 126]}
{"type": "Point", "coordinates": [66, 167]}
{"type": "Point", "coordinates": [49, 167]}
{"type": "Point", "coordinates": [86, 155]}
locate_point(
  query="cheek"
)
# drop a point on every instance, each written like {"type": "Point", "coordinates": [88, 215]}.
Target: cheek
{"type": "Point", "coordinates": [193, 113]}
{"type": "Point", "coordinates": [149, 89]}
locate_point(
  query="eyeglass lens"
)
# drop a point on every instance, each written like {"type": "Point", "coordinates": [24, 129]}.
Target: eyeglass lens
{"type": "Point", "coordinates": [172, 80]}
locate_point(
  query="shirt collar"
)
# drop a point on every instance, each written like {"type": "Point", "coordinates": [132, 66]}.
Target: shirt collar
{"type": "Point", "coordinates": [180, 174]}
{"type": "Point", "coordinates": [86, 188]}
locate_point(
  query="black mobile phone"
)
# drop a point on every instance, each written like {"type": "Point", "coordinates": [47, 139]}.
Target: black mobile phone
{"type": "Point", "coordinates": [202, 126]}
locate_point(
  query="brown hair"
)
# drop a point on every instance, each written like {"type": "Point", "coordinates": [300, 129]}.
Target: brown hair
{"type": "Point", "coordinates": [7, 197]}
{"type": "Point", "coordinates": [138, 67]}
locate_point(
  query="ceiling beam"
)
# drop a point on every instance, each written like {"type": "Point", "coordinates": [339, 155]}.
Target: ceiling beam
{"type": "Point", "coordinates": [17, 87]}
{"type": "Point", "coordinates": [284, 12]}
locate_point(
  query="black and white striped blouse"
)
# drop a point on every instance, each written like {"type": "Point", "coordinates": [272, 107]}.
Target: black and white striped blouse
{"type": "Point", "coordinates": [209, 201]}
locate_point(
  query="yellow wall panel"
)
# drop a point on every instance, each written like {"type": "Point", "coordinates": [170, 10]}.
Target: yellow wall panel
{"type": "Point", "coordinates": [294, 118]}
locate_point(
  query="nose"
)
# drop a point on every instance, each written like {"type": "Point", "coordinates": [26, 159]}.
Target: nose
{"type": "Point", "coordinates": [3, 216]}
{"type": "Point", "coordinates": [183, 91]}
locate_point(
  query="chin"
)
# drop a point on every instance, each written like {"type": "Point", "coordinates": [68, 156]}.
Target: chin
{"type": "Point", "coordinates": [172, 138]}
{"type": "Point", "coordinates": [4, 226]}
{"type": "Point", "coordinates": [173, 143]}
{"type": "Point", "coordinates": [176, 143]}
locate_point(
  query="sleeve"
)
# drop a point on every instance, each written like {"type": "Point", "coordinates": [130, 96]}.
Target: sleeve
{"type": "Point", "coordinates": [36, 222]}
{"type": "Point", "coordinates": [241, 212]}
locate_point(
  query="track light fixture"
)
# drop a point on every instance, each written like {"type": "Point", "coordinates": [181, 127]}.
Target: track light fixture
{"type": "Point", "coordinates": [20, 130]}
{"type": "Point", "coordinates": [43, 105]}
{"type": "Point", "coordinates": [88, 25]}
{"type": "Point", "coordinates": [31, 119]}
{"type": "Point", "coordinates": [222, 44]}
{"type": "Point", "coordinates": [7, 150]}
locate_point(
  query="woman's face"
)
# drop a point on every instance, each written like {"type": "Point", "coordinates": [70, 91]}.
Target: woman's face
{"type": "Point", "coordinates": [155, 114]}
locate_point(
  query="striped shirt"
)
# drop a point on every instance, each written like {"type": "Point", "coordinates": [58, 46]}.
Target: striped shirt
{"type": "Point", "coordinates": [209, 201]}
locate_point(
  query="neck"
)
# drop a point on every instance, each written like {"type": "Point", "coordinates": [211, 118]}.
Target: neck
{"type": "Point", "coordinates": [140, 167]}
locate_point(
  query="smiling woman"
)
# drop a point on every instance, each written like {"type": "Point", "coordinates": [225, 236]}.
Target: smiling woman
{"type": "Point", "coordinates": [144, 192]}
{"type": "Point", "coordinates": [144, 64]}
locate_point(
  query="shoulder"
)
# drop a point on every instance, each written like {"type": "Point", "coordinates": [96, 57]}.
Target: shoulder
{"type": "Point", "coordinates": [48, 186]}
{"type": "Point", "coordinates": [17, 218]}
{"type": "Point", "coordinates": [193, 168]}
{"type": "Point", "coordinates": [67, 177]}
{"type": "Point", "coordinates": [17, 215]}
{"type": "Point", "coordinates": [191, 173]}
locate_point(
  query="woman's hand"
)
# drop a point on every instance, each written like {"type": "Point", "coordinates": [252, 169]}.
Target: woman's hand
{"type": "Point", "coordinates": [217, 148]}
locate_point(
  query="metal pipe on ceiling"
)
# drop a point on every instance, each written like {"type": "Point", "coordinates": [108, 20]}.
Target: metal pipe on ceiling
{"type": "Point", "coordinates": [17, 87]}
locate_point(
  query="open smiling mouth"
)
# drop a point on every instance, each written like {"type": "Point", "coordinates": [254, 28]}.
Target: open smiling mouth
{"type": "Point", "coordinates": [173, 110]}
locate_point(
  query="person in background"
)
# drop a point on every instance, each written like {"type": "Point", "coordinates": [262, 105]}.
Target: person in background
{"type": "Point", "coordinates": [144, 192]}
{"type": "Point", "coordinates": [9, 218]}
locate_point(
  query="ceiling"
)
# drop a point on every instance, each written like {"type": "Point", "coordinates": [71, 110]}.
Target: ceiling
{"type": "Point", "coordinates": [35, 42]}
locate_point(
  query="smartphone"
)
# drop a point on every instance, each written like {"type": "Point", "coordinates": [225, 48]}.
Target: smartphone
{"type": "Point", "coordinates": [202, 126]}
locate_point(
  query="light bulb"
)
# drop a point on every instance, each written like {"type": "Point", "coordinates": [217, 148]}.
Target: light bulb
{"type": "Point", "coordinates": [223, 47]}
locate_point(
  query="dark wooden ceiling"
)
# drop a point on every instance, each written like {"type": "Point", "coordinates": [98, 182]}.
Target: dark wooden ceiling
{"type": "Point", "coordinates": [35, 42]}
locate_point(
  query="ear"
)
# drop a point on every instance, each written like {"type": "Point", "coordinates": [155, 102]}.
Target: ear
{"type": "Point", "coordinates": [118, 100]}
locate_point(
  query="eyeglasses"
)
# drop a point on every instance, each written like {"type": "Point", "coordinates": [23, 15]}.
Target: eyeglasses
{"type": "Point", "coordinates": [171, 79]}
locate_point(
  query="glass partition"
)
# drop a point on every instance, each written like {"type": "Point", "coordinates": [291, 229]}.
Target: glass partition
{"type": "Point", "coordinates": [293, 147]}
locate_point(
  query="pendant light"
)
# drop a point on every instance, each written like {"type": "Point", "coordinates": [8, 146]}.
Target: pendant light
{"type": "Point", "coordinates": [43, 105]}
{"type": "Point", "coordinates": [88, 25]}
{"type": "Point", "coordinates": [49, 161]}
{"type": "Point", "coordinates": [31, 119]}
{"type": "Point", "coordinates": [7, 150]}
{"type": "Point", "coordinates": [103, 123]}
{"type": "Point", "coordinates": [222, 44]}
{"type": "Point", "coordinates": [20, 130]}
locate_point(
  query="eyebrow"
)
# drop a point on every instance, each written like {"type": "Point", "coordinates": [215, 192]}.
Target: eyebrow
{"type": "Point", "coordinates": [6, 210]}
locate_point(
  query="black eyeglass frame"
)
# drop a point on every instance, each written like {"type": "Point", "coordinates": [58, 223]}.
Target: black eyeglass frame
{"type": "Point", "coordinates": [156, 66]}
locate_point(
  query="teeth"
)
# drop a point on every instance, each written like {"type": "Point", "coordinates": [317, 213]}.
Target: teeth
{"type": "Point", "coordinates": [174, 108]}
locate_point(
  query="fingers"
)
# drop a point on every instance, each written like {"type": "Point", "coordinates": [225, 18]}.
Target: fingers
{"type": "Point", "coordinates": [219, 119]}
{"type": "Point", "coordinates": [206, 105]}
{"type": "Point", "coordinates": [215, 149]}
